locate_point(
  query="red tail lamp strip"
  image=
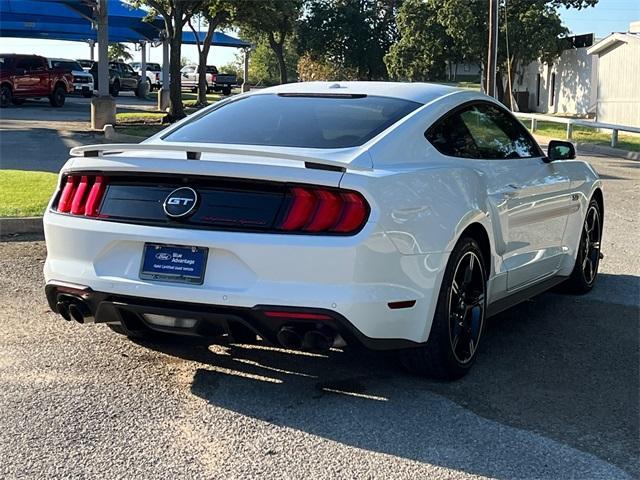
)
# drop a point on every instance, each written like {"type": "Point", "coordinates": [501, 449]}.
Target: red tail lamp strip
{"type": "Point", "coordinates": [81, 195]}
{"type": "Point", "coordinates": [95, 196]}
{"type": "Point", "coordinates": [316, 209]}
{"type": "Point", "coordinates": [79, 199]}
{"type": "Point", "coordinates": [302, 207]}
{"type": "Point", "coordinates": [353, 214]}
{"type": "Point", "coordinates": [327, 211]}
{"type": "Point", "coordinates": [69, 190]}
{"type": "Point", "coordinates": [297, 315]}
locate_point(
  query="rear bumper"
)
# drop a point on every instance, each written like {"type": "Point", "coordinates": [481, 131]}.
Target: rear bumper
{"type": "Point", "coordinates": [213, 319]}
{"type": "Point", "coordinates": [354, 278]}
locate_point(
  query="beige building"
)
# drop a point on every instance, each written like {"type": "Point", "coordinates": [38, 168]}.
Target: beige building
{"type": "Point", "coordinates": [563, 87]}
{"type": "Point", "coordinates": [618, 80]}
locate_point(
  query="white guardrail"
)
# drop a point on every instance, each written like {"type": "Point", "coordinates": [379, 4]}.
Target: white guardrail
{"type": "Point", "coordinates": [571, 122]}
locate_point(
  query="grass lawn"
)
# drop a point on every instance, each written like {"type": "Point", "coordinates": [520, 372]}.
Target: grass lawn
{"type": "Point", "coordinates": [139, 117]}
{"type": "Point", "coordinates": [585, 134]}
{"type": "Point", "coordinates": [25, 194]}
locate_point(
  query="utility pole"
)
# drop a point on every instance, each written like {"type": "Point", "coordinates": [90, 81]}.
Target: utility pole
{"type": "Point", "coordinates": [492, 58]}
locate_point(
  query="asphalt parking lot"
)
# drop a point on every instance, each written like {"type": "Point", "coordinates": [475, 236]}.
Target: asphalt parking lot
{"type": "Point", "coordinates": [555, 392]}
{"type": "Point", "coordinates": [37, 136]}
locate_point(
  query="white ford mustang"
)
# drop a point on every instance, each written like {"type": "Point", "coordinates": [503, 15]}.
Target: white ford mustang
{"type": "Point", "coordinates": [390, 215]}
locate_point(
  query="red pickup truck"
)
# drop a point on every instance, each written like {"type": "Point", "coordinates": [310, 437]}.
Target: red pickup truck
{"type": "Point", "coordinates": [29, 76]}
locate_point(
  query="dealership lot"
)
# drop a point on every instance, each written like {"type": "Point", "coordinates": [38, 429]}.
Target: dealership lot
{"type": "Point", "coordinates": [554, 393]}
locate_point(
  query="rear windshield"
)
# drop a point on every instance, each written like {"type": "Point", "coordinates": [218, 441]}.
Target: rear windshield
{"type": "Point", "coordinates": [336, 121]}
{"type": "Point", "coordinates": [65, 65]}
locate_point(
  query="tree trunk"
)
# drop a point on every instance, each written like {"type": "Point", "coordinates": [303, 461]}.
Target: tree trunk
{"type": "Point", "coordinates": [500, 87]}
{"type": "Point", "coordinates": [176, 110]}
{"type": "Point", "coordinates": [278, 50]}
{"type": "Point", "coordinates": [202, 68]}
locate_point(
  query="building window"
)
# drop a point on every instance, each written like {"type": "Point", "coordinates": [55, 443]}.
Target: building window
{"type": "Point", "coordinates": [538, 90]}
{"type": "Point", "coordinates": [553, 88]}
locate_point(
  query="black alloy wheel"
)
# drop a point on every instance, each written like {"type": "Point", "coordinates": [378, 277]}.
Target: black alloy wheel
{"type": "Point", "coordinates": [466, 307]}
{"type": "Point", "coordinates": [590, 244]}
{"type": "Point", "coordinates": [459, 318]}
{"type": "Point", "coordinates": [584, 274]}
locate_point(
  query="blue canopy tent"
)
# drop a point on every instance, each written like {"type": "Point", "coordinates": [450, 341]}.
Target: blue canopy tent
{"type": "Point", "coordinates": [96, 20]}
{"type": "Point", "coordinates": [72, 20]}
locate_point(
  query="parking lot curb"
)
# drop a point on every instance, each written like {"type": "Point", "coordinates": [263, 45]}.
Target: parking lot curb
{"type": "Point", "coordinates": [20, 225]}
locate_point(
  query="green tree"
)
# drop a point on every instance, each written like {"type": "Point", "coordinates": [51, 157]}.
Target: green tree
{"type": "Point", "coordinates": [534, 28]}
{"type": "Point", "coordinates": [351, 34]}
{"type": "Point", "coordinates": [119, 51]}
{"type": "Point", "coordinates": [176, 14]}
{"type": "Point", "coordinates": [216, 13]}
{"type": "Point", "coordinates": [264, 66]}
{"type": "Point", "coordinates": [423, 48]}
{"type": "Point", "coordinates": [272, 21]}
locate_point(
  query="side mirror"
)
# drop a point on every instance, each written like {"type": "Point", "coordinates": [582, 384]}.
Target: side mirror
{"type": "Point", "coordinates": [559, 150]}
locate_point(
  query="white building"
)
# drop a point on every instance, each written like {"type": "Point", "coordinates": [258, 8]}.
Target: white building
{"type": "Point", "coordinates": [564, 87]}
{"type": "Point", "coordinates": [618, 81]}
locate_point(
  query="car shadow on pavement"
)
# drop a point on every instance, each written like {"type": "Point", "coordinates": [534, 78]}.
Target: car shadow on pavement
{"type": "Point", "coordinates": [554, 392]}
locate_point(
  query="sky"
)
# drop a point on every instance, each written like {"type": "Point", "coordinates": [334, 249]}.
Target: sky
{"type": "Point", "coordinates": [606, 17]}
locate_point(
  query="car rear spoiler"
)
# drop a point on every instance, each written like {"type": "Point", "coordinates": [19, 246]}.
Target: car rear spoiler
{"type": "Point", "coordinates": [194, 152]}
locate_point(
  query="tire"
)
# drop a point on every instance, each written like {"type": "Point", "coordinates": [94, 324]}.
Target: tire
{"type": "Point", "coordinates": [18, 101]}
{"type": "Point", "coordinates": [6, 96]}
{"type": "Point", "coordinates": [585, 271]}
{"type": "Point", "coordinates": [58, 97]}
{"type": "Point", "coordinates": [143, 89]}
{"type": "Point", "coordinates": [87, 94]}
{"type": "Point", "coordinates": [115, 89]}
{"type": "Point", "coordinates": [226, 91]}
{"type": "Point", "coordinates": [458, 322]}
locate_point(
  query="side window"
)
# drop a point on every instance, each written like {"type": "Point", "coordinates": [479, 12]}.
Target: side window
{"type": "Point", "coordinates": [30, 64]}
{"type": "Point", "coordinates": [482, 131]}
{"type": "Point", "coordinates": [128, 69]}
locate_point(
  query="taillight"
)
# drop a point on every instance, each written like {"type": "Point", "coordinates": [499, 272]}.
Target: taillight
{"type": "Point", "coordinates": [82, 195]}
{"type": "Point", "coordinates": [69, 190]}
{"type": "Point", "coordinates": [95, 196]}
{"type": "Point", "coordinates": [319, 210]}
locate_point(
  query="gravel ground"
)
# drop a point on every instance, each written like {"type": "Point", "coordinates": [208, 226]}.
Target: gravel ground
{"type": "Point", "coordinates": [554, 393]}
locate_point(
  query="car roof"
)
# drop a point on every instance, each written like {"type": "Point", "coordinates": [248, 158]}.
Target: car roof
{"type": "Point", "coordinates": [415, 91]}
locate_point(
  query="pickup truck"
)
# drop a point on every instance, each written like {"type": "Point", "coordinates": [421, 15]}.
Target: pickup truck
{"type": "Point", "coordinates": [29, 76]}
{"type": "Point", "coordinates": [122, 78]}
{"type": "Point", "coordinates": [216, 81]}
{"type": "Point", "coordinates": [154, 73]}
{"type": "Point", "coordinates": [82, 81]}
